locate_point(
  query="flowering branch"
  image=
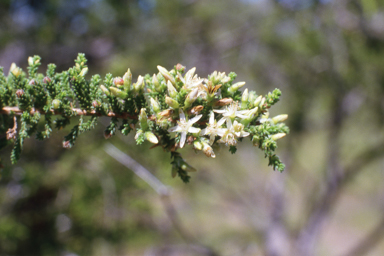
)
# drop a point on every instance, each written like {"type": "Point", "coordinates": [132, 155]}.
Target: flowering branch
{"type": "Point", "coordinates": [169, 109]}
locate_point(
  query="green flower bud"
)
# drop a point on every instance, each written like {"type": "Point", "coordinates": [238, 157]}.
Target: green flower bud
{"type": "Point", "coordinates": [139, 85]}
{"type": "Point", "coordinates": [127, 80]}
{"type": "Point", "coordinates": [156, 83]}
{"type": "Point", "coordinates": [84, 71]}
{"type": "Point", "coordinates": [171, 90]}
{"type": "Point", "coordinates": [171, 102]}
{"type": "Point", "coordinates": [197, 145]}
{"type": "Point", "coordinates": [56, 104]}
{"type": "Point", "coordinates": [191, 97]}
{"type": "Point", "coordinates": [118, 93]}
{"type": "Point", "coordinates": [151, 137]}
{"type": "Point", "coordinates": [278, 136]}
{"type": "Point", "coordinates": [244, 99]}
{"type": "Point", "coordinates": [251, 98]}
{"type": "Point", "coordinates": [166, 75]}
{"type": "Point", "coordinates": [280, 118]}
{"type": "Point", "coordinates": [155, 105]}
{"type": "Point", "coordinates": [104, 89]}
{"type": "Point", "coordinates": [257, 101]}
{"type": "Point", "coordinates": [30, 61]}
{"type": "Point", "coordinates": [143, 119]}
{"type": "Point", "coordinates": [235, 87]}
{"type": "Point", "coordinates": [16, 71]}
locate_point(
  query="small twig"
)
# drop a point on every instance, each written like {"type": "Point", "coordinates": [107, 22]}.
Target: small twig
{"type": "Point", "coordinates": [11, 133]}
{"type": "Point", "coordinates": [162, 190]}
{"type": "Point", "coordinates": [138, 169]}
{"type": "Point", "coordinates": [78, 111]}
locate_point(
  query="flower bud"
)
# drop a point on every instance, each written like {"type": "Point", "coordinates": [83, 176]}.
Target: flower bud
{"type": "Point", "coordinates": [118, 93]}
{"type": "Point", "coordinates": [257, 101]}
{"type": "Point", "coordinates": [255, 140]}
{"type": "Point", "coordinates": [180, 67]}
{"type": "Point", "coordinates": [166, 75]}
{"type": "Point", "coordinates": [250, 116]}
{"type": "Point", "coordinates": [226, 79]}
{"type": "Point", "coordinates": [127, 80]}
{"type": "Point", "coordinates": [67, 144]}
{"type": "Point", "coordinates": [19, 93]}
{"type": "Point", "coordinates": [15, 70]}
{"type": "Point", "coordinates": [156, 83]}
{"type": "Point", "coordinates": [280, 118]}
{"type": "Point", "coordinates": [30, 61]}
{"type": "Point", "coordinates": [46, 80]}
{"type": "Point", "coordinates": [84, 71]}
{"type": "Point", "coordinates": [155, 105]}
{"type": "Point", "coordinates": [171, 90]}
{"type": "Point", "coordinates": [191, 97]}
{"type": "Point", "coordinates": [278, 136]}
{"type": "Point", "coordinates": [96, 103]}
{"type": "Point", "coordinates": [56, 103]}
{"type": "Point", "coordinates": [171, 102]}
{"type": "Point", "coordinates": [32, 82]}
{"type": "Point", "coordinates": [143, 119]}
{"type": "Point", "coordinates": [151, 137]}
{"type": "Point", "coordinates": [197, 145]}
{"type": "Point", "coordinates": [138, 133]}
{"type": "Point", "coordinates": [208, 151]}
{"type": "Point", "coordinates": [118, 81]}
{"type": "Point", "coordinates": [139, 85]}
{"type": "Point", "coordinates": [244, 99]}
{"type": "Point", "coordinates": [104, 89]}
{"type": "Point", "coordinates": [235, 87]}
{"type": "Point", "coordinates": [262, 102]}
{"type": "Point", "coordinates": [196, 110]}
{"type": "Point", "coordinates": [223, 102]}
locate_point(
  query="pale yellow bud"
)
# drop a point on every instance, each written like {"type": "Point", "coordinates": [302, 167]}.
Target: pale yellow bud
{"type": "Point", "coordinates": [278, 136]}
{"type": "Point", "coordinates": [171, 102]}
{"type": "Point", "coordinates": [155, 105]}
{"type": "Point", "coordinates": [151, 137]}
{"type": "Point", "coordinates": [280, 118]}
{"type": "Point", "coordinates": [104, 89]}
{"type": "Point", "coordinates": [166, 75]}
{"type": "Point", "coordinates": [15, 70]}
{"type": "Point", "coordinates": [84, 71]}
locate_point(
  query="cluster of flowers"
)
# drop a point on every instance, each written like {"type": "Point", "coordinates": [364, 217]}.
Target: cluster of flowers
{"type": "Point", "coordinates": [202, 112]}
{"type": "Point", "coordinates": [236, 116]}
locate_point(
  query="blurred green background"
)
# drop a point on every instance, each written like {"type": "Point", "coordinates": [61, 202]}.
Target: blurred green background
{"type": "Point", "coordinates": [326, 56]}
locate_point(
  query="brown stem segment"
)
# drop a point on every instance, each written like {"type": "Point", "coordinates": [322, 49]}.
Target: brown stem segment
{"type": "Point", "coordinates": [78, 111]}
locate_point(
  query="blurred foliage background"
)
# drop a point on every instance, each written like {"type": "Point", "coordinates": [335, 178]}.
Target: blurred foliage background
{"type": "Point", "coordinates": [326, 56]}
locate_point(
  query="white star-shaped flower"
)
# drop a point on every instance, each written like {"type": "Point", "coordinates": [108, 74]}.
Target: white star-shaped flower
{"type": "Point", "coordinates": [190, 80]}
{"type": "Point", "coordinates": [213, 128]}
{"type": "Point", "coordinates": [232, 111]}
{"type": "Point", "coordinates": [232, 132]}
{"type": "Point", "coordinates": [185, 127]}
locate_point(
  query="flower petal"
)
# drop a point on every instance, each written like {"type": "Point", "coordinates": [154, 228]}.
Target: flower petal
{"type": "Point", "coordinates": [193, 130]}
{"type": "Point", "coordinates": [181, 115]}
{"type": "Point", "coordinates": [182, 139]}
{"type": "Point", "coordinates": [195, 119]}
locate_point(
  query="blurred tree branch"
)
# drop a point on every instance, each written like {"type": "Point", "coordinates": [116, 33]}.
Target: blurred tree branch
{"type": "Point", "coordinates": [164, 192]}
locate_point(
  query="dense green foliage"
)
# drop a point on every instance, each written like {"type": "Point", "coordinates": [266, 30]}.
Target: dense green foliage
{"type": "Point", "coordinates": [155, 103]}
{"type": "Point", "coordinates": [325, 56]}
